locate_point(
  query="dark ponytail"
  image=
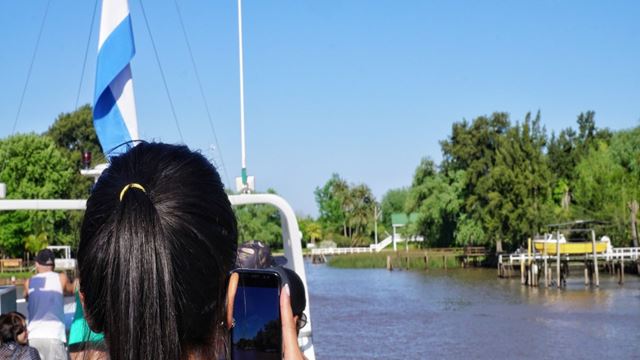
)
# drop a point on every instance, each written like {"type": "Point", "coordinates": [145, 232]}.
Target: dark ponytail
{"type": "Point", "coordinates": [153, 264]}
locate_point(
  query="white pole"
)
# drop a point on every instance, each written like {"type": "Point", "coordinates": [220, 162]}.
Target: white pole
{"type": "Point", "coordinates": [375, 222]}
{"type": "Point", "coordinates": [394, 239]}
{"type": "Point", "coordinates": [241, 61]}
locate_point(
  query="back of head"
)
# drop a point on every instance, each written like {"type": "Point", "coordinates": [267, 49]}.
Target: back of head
{"type": "Point", "coordinates": [156, 244]}
{"type": "Point", "coordinates": [11, 325]}
{"type": "Point", "coordinates": [46, 259]}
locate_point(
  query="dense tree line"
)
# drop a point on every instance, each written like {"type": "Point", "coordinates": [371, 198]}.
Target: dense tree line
{"type": "Point", "coordinates": [498, 183]}
{"type": "Point", "coordinates": [501, 182]}
{"type": "Point", "coordinates": [45, 166]}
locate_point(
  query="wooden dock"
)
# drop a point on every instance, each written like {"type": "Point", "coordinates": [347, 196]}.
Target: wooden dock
{"type": "Point", "coordinates": [534, 266]}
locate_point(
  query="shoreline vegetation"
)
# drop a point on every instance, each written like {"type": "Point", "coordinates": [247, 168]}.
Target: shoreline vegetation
{"type": "Point", "coordinates": [407, 260]}
{"type": "Point", "coordinates": [500, 181]}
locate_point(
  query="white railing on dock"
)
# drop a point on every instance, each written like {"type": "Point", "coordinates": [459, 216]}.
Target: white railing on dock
{"type": "Point", "coordinates": [624, 254]}
{"type": "Point", "coordinates": [341, 251]}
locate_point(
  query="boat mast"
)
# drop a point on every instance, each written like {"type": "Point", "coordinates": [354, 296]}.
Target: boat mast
{"type": "Point", "coordinates": [244, 187]}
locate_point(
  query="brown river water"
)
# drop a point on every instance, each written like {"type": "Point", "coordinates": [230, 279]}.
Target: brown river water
{"type": "Point", "coordinates": [466, 314]}
{"type": "Point", "coordinates": [469, 314]}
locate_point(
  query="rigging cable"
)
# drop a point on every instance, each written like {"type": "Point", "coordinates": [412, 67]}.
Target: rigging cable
{"type": "Point", "coordinates": [164, 80]}
{"type": "Point", "coordinates": [204, 99]}
{"type": "Point", "coordinates": [33, 58]}
{"type": "Point", "coordinates": [86, 53]}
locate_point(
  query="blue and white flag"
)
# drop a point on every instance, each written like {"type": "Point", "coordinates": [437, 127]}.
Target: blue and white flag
{"type": "Point", "coordinates": [114, 110]}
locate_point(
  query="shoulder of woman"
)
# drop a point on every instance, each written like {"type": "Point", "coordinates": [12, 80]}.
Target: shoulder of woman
{"type": "Point", "coordinates": [32, 353]}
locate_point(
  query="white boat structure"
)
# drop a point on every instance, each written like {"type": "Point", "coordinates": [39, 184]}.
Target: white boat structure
{"type": "Point", "coordinates": [291, 237]}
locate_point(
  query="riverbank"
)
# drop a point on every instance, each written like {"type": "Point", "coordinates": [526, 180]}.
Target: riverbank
{"type": "Point", "coordinates": [409, 260]}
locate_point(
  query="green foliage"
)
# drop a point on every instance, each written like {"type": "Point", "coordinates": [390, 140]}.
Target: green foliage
{"type": "Point", "coordinates": [469, 232]}
{"type": "Point", "coordinates": [604, 189]}
{"type": "Point", "coordinates": [74, 133]}
{"type": "Point", "coordinates": [394, 201]}
{"type": "Point", "coordinates": [33, 167]}
{"type": "Point", "coordinates": [330, 199]}
{"type": "Point", "coordinates": [346, 211]}
{"type": "Point", "coordinates": [416, 260]}
{"type": "Point", "coordinates": [259, 222]}
{"type": "Point", "coordinates": [36, 242]}
{"type": "Point", "coordinates": [517, 189]}
{"type": "Point", "coordinates": [437, 198]}
{"type": "Point", "coordinates": [311, 230]}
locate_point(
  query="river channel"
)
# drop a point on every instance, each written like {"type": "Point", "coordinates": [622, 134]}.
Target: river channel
{"type": "Point", "coordinates": [456, 314]}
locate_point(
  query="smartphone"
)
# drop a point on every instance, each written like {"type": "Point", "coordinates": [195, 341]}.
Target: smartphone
{"type": "Point", "coordinates": [256, 332]}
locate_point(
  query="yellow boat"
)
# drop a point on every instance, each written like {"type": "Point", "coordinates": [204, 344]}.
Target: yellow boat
{"type": "Point", "coordinates": [573, 247]}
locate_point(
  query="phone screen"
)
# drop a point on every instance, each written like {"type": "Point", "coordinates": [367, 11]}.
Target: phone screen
{"type": "Point", "coordinates": [257, 333]}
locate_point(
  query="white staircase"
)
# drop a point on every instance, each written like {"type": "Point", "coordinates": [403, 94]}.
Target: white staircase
{"type": "Point", "coordinates": [382, 244]}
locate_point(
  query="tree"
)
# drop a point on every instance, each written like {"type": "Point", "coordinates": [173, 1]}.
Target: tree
{"type": "Point", "coordinates": [608, 184]}
{"type": "Point", "coordinates": [473, 148]}
{"type": "Point", "coordinates": [517, 190]}
{"type": "Point", "coordinates": [360, 217]}
{"type": "Point", "coordinates": [33, 168]}
{"type": "Point", "coordinates": [393, 201]}
{"type": "Point", "coordinates": [311, 230]}
{"type": "Point", "coordinates": [625, 149]}
{"type": "Point", "coordinates": [74, 134]}
{"type": "Point", "coordinates": [331, 205]}
{"type": "Point", "coordinates": [260, 222]}
{"type": "Point", "coordinates": [345, 207]}
{"type": "Point", "coordinates": [437, 199]}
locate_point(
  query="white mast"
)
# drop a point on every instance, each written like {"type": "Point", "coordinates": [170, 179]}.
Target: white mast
{"type": "Point", "coordinates": [243, 186]}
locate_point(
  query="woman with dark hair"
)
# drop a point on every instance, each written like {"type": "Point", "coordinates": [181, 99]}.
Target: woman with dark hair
{"type": "Point", "coordinates": [157, 242]}
{"type": "Point", "coordinates": [13, 336]}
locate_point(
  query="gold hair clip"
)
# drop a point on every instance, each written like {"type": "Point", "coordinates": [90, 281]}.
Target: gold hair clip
{"type": "Point", "coordinates": [129, 186]}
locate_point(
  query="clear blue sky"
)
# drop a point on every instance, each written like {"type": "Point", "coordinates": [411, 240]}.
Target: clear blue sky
{"type": "Point", "coordinates": [359, 87]}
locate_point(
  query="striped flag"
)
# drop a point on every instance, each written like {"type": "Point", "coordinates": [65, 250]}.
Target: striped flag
{"type": "Point", "coordinates": [114, 110]}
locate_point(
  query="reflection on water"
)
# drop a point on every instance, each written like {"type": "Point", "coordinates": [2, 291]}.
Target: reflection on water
{"type": "Point", "coordinates": [377, 314]}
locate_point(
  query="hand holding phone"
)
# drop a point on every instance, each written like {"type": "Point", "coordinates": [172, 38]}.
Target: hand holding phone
{"type": "Point", "coordinates": [256, 327]}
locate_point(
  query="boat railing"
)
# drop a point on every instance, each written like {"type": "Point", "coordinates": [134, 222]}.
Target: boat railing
{"type": "Point", "coordinates": [291, 237]}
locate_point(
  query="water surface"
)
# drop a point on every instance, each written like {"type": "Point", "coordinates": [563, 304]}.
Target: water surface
{"type": "Point", "coordinates": [377, 314]}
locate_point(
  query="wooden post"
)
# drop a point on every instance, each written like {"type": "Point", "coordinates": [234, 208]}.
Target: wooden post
{"type": "Point", "coordinates": [426, 261]}
{"type": "Point", "coordinates": [529, 270]}
{"type": "Point", "coordinates": [546, 266]}
{"type": "Point", "coordinates": [586, 271]}
{"type": "Point", "coordinates": [559, 284]}
{"type": "Point", "coordinates": [444, 261]}
{"type": "Point", "coordinates": [389, 266]}
{"type": "Point", "coordinates": [595, 257]}
{"type": "Point", "coordinates": [522, 270]}
{"type": "Point", "coordinates": [408, 264]}
{"type": "Point", "coordinates": [633, 206]}
{"type": "Point", "coordinates": [621, 272]}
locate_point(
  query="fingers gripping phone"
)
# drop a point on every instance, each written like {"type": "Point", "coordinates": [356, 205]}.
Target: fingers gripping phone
{"type": "Point", "coordinates": [256, 331]}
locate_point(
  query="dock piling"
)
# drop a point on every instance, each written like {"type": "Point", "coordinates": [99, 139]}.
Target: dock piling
{"type": "Point", "coordinates": [621, 273]}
